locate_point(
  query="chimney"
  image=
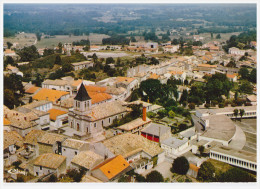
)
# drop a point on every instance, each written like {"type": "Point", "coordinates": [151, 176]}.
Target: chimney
{"type": "Point", "coordinates": [144, 113]}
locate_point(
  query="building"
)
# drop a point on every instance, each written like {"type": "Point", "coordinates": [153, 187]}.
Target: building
{"type": "Point", "coordinates": [134, 126]}
{"type": "Point", "coordinates": [175, 147]}
{"type": "Point", "coordinates": [88, 121]}
{"type": "Point", "coordinates": [236, 51]}
{"type": "Point", "coordinates": [82, 65]}
{"type": "Point", "coordinates": [232, 77]}
{"type": "Point", "coordinates": [135, 147]}
{"type": "Point", "coordinates": [58, 117]}
{"type": "Point", "coordinates": [54, 96]}
{"type": "Point", "coordinates": [12, 142]}
{"type": "Point", "coordinates": [171, 48]}
{"type": "Point", "coordinates": [23, 123]}
{"type": "Point", "coordinates": [13, 70]}
{"type": "Point", "coordinates": [86, 160]}
{"type": "Point", "coordinates": [111, 169]}
{"type": "Point", "coordinates": [30, 141]}
{"type": "Point", "coordinates": [193, 171]}
{"type": "Point", "coordinates": [72, 147]}
{"type": "Point", "coordinates": [252, 99]}
{"type": "Point", "coordinates": [41, 105]}
{"type": "Point", "coordinates": [239, 158]}
{"type": "Point", "coordinates": [49, 163]}
{"type": "Point", "coordinates": [50, 143]}
{"type": "Point", "coordinates": [156, 132]}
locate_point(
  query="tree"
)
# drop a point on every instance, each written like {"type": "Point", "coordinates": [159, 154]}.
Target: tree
{"type": "Point", "coordinates": [218, 36]}
{"type": "Point", "coordinates": [171, 114]}
{"type": "Point", "coordinates": [235, 111]}
{"type": "Point", "coordinates": [59, 48]}
{"type": "Point", "coordinates": [191, 106]}
{"type": "Point", "coordinates": [201, 149]}
{"type": "Point", "coordinates": [75, 174]}
{"type": "Point", "coordinates": [253, 76]}
{"type": "Point", "coordinates": [48, 52]}
{"type": "Point", "coordinates": [38, 36]}
{"type": "Point", "coordinates": [180, 166]}
{"type": "Point", "coordinates": [9, 60]}
{"type": "Point", "coordinates": [9, 44]}
{"type": "Point", "coordinates": [58, 60]}
{"type": "Point", "coordinates": [206, 172]}
{"type": "Point", "coordinates": [154, 176]}
{"type": "Point", "coordinates": [67, 67]}
{"type": "Point", "coordinates": [241, 113]}
{"type": "Point", "coordinates": [152, 88]}
{"type": "Point", "coordinates": [110, 60]}
{"type": "Point", "coordinates": [162, 113]}
{"type": "Point", "coordinates": [211, 35]}
{"type": "Point", "coordinates": [235, 175]}
{"type": "Point", "coordinates": [244, 73]}
{"type": "Point", "coordinates": [246, 87]}
{"type": "Point", "coordinates": [28, 53]}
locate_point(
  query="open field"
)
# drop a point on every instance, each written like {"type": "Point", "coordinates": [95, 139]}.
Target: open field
{"type": "Point", "coordinates": [224, 36]}
{"type": "Point", "coordinates": [52, 42]}
{"type": "Point", "coordinates": [23, 39]}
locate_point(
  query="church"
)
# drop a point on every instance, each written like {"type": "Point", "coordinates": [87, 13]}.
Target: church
{"type": "Point", "coordinates": [88, 120]}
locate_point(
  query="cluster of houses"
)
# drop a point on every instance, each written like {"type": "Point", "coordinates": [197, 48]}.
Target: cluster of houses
{"type": "Point", "coordinates": [65, 123]}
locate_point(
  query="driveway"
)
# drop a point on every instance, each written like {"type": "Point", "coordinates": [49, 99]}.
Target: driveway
{"type": "Point", "coordinates": [163, 168]}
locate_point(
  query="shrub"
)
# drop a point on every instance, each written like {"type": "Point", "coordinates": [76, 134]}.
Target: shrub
{"type": "Point", "coordinates": [221, 105]}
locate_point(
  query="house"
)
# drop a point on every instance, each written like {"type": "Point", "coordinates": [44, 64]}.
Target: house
{"type": "Point", "coordinates": [86, 160]}
{"type": "Point", "coordinates": [13, 70]}
{"type": "Point", "coordinates": [134, 147]}
{"type": "Point", "coordinates": [193, 170]}
{"type": "Point", "coordinates": [82, 65]}
{"type": "Point", "coordinates": [67, 84]}
{"type": "Point", "coordinates": [111, 169]}
{"type": "Point", "coordinates": [175, 147]}
{"type": "Point", "coordinates": [156, 132]}
{"type": "Point", "coordinates": [236, 51]}
{"type": "Point", "coordinates": [49, 163]}
{"type": "Point", "coordinates": [50, 143]}
{"type": "Point", "coordinates": [134, 126]}
{"type": "Point", "coordinates": [32, 89]}
{"type": "Point", "coordinates": [23, 123]}
{"type": "Point", "coordinates": [12, 142]}
{"type": "Point", "coordinates": [31, 141]}
{"type": "Point", "coordinates": [41, 118]}
{"type": "Point", "coordinates": [232, 77]}
{"type": "Point", "coordinates": [41, 105]}
{"type": "Point", "coordinates": [94, 48]}
{"type": "Point", "coordinates": [72, 147]}
{"type": "Point", "coordinates": [149, 107]}
{"type": "Point", "coordinates": [252, 99]}
{"type": "Point", "coordinates": [171, 48]}
{"type": "Point", "coordinates": [11, 53]}
{"type": "Point", "coordinates": [88, 121]}
{"type": "Point", "coordinates": [58, 117]}
{"type": "Point", "coordinates": [253, 44]}
{"type": "Point", "coordinates": [51, 95]}
{"type": "Point", "coordinates": [98, 94]}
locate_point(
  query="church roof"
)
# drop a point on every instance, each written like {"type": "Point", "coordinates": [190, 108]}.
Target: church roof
{"type": "Point", "coordinates": [82, 94]}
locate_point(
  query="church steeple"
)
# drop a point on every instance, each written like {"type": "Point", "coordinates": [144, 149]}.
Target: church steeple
{"type": "Point", "coordinates": [82, 94]}
{"type": "Point", "coordinates": [82, 101]}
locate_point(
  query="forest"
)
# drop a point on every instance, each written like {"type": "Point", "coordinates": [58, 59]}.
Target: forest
{"type": "Point", "coordinates": [125, 18]}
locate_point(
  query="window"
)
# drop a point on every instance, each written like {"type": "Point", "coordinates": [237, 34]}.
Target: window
{"type": "Point", "coordinates": [76, 153]}
{"type": "Point", "coordinates": [77, 126]}
{"type": "Point", "coordinates": [40, 167]}
{"type": "Point", "coordinates": [108, 120]}
{"type": "Point", "coordinates": [64, 149]}
{"type": "Point", "coordinates": [95, 124]}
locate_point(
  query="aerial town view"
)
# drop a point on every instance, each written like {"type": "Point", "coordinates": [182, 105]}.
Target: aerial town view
{"type": "Point", "coordinates": [129, 93]}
